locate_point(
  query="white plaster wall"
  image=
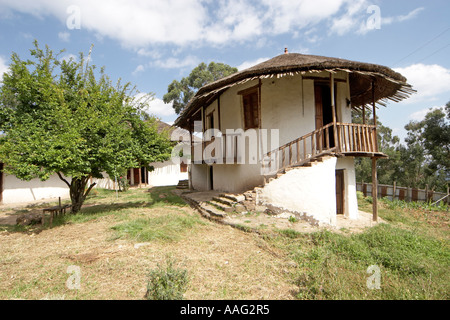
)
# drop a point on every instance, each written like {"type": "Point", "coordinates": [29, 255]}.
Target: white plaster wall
{"type": "Point", "coordinates": [199, 177]}
{"type": "Point", "coordinates": [105, 183]}
{"type": "Point", "coordinates": [166, 174]}
{"type": "Point", "coordinates": [344, 111]}
{"type": "Point", "coordinates": [236, 178]}
{"type": "Point", "coordinates": [310, 190]}
{"type": "Point", "coordinates": [18, 191]}
{"type": "Point", "coordinates": [350, 199]}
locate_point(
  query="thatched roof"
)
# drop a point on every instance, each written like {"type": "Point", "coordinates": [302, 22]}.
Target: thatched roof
{"type": "Point", "coordinates": [388, 83]}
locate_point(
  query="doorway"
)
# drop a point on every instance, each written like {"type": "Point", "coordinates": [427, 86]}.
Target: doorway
{"type": "Point", "coordinates": [323, 110]}
{"type": "Point", "coordinates": [211, 178]}
{"type": "Point", "coordinates": [340, 192]}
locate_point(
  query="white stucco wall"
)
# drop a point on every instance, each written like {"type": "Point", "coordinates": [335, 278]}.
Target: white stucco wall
{"type": "Point", "coordinates": [166, 174]}
{"type": "Point", "coordinates": [350, 199]}
{"type": "Point", "coordinates": [18, 191]}
{"type": "Point", "coordinates": [309, 190]}
{"type": "Point", "coordinates": [199, 177]}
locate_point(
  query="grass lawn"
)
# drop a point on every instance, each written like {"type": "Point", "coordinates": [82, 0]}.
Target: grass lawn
{"type": "Point", "coordinates": [118, 239]}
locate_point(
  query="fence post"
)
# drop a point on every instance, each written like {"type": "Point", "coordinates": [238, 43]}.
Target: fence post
{"type": "Point", "coordinates": [393, 193]}
{"type": "Point", "coordinates": [448, 198]}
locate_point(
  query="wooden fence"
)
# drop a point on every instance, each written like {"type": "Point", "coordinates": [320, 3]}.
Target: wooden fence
{"type": "Point", "coordinates": [403, 193]}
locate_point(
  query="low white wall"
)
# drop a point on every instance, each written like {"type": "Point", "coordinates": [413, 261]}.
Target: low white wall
{"type": "Point", "coordinates": [18, 191]}
{"type": "Point", "coordinates": [310, 190]}
{"type": "Point", "coordinates": [166, 174]}
{"type": "Point", "coordinates": [350, 199]}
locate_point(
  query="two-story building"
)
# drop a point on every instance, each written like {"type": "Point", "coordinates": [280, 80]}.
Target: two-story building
{"type": "Point", "coordinates": [285, 126]}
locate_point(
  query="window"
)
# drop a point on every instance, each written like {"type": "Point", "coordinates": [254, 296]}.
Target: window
{"type": "Point", "coordinates": [251, 114]}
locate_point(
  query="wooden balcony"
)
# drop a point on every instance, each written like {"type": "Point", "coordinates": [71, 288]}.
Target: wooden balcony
{"type": "Point", "coordinates": [342, 139]}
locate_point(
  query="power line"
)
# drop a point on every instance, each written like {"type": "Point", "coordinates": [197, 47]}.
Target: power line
{"type": "Point", "coordinates": [422, 46]}
{"type": "Point", "coordinates": [434, 52]}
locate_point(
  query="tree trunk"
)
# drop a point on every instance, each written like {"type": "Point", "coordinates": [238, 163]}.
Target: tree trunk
{"type": "Point", "coordinates": [78, 192]}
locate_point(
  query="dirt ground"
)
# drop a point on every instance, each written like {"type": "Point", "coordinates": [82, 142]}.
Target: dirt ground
{"type": "Point", "coordinates": [222, 263]}
{"type": "Point", "coordinates": [263, 221]}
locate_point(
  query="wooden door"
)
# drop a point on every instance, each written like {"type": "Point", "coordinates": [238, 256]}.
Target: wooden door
{"type": "Point", "coordinates": [340, 191]}
{"type": "Point", "coordinates": [136, 176]}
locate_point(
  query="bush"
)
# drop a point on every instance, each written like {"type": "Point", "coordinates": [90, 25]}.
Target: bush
{"type": "Point", "coordinates": [167, 283]}
{"type": "Point", "coordinates": [124, 185]}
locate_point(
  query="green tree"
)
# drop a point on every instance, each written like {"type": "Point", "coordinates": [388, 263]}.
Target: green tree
{"type": "Point", "coordinates": [428, 149]}
{"type": "Point", "coordinates": [388, 144]}
{"type": "Point", "coordinates": [68, 118]}
{"type": "Point", "coordinates": [181, 92]}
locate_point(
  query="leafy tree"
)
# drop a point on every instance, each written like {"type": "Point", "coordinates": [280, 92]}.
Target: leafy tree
{"type": "Point", "coordinates": [388, 144]}
{"type": "Point", "coordinates": [428, 144]}
{"type": "Point", "coordinates": [68, 118]}
{"type": "Point", "coordinates": [181, 92]}
{"type": "Point", "coordinates": [423, 160]}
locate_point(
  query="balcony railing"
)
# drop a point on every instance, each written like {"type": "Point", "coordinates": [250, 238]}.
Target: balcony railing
{"type": "Point", "coordinates": [349, 139]}
{"type": "Point", "coordinates": [339, 139]}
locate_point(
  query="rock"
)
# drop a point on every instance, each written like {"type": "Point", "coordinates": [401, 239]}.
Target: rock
{"type": "Point", "coordinates": [30, 218]}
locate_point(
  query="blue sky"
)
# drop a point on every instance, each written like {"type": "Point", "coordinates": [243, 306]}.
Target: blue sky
{"type": "Point", "coordinates": [151, 43]}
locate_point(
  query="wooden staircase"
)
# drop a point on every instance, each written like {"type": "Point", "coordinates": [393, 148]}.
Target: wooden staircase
{"type": "Point", "coordinates": [340, 139]}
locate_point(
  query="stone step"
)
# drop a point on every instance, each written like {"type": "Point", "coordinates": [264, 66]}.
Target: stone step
{"type": "Point", "coordinates": [233, 197]}
{"type": "Point", "coordinates": [221, 206]}
{"type": "Point", "coordinates": [183, 184]}
{"type": "Point", "coordinates": [224, 200]}
{"type": "Point", "coordinates": [212, 210]}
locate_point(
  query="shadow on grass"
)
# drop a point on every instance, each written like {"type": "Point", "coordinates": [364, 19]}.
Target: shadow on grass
{"type": "Point", "coordinates": [155, 197]}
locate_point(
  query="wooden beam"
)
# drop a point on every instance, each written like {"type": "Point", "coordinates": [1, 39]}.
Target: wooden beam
{"type": "Point", "coordinates": [375, 136]}
{"type": "Point", "coordinates": [218, 113]}
{"type": "Point", "coordinates": [333, 110]}
{"type": "Point", "coordinates": [374, 190]}
{"type": "Point", "coordinates": [140, 177]}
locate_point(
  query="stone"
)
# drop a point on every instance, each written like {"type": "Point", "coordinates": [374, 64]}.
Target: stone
{"type": "Point", "coordinates": [30, 218]}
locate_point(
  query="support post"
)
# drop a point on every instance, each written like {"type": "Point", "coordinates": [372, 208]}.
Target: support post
{"type": "Point", "coordinates": [374, 190]}
{"type": "Point", "coordinates": [394, 191]}
{"type": "Point", "coordinates": [375, 136]}
{"type": "Point", "coordinates": [140, 177]}
{"type": "Point", "coordinates": [333, 110]}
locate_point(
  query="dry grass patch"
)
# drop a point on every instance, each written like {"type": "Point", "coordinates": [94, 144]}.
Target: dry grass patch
{"type": "Point", "coordinates": [222, 262]}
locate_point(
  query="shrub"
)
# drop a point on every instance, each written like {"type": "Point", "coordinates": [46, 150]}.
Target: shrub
{"type": "Point", "coordinates": [167, 283]}
{"type": "Point", "coordinates": [124, 185]}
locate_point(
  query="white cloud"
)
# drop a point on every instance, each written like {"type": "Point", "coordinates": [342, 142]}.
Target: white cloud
{"type": "Point", "coordinates": [64, 36]}
{"type": "Point", "coordinates": [420, 115]}
{"type": "Point", "coordinates": [139, 68]}
{"type": "Point", "coordinates": [430, 81]}
{"type": "Point", "coordinates": [139, 24]}
{"type": "Point", "coordinates": [69, 57]}
{"type": "Point", "coordinates": [175, 63]}
{"type": "Point", "coordinates": [3, 68]}
{"type": "Point", "coordinates": [248, 64]}
{"type": "Point", "coordinates": [158, 108]}
{"type": "Point", "coordinates": [385, 20]}
{"type": "Point", "coordinates": [154, 106]}
{"type": "Point", "coordinates": [401, 18]}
